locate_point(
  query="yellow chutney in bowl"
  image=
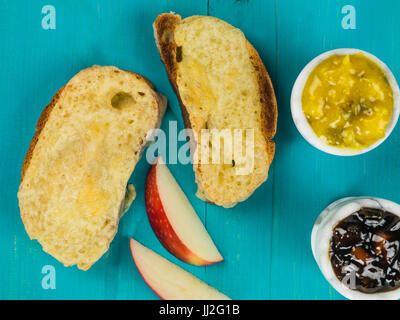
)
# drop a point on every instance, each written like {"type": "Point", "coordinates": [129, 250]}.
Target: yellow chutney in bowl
{"type": "Point", "coordinates": [349, 100]}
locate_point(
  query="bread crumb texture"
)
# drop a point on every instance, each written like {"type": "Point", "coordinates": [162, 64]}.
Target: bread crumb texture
{"type": "Point", "coordinates": [218, 84]}
{"type": "Point", "coordinates": [73, 187]}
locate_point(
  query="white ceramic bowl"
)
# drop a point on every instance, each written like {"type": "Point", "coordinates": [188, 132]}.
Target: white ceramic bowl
{"type": "Point", "coordinates": [301, 121]}
{"type": "Point", "coordinates": [323, 231]}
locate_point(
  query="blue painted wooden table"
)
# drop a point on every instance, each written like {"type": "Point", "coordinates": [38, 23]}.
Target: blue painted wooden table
{"type": "Point", "coordinates": [265, 240]}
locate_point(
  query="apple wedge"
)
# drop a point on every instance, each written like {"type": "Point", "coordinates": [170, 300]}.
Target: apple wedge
{"type": "Point", "coordinates": [174, 220]}
{"type": "Point", "coordinates": [169, 281]}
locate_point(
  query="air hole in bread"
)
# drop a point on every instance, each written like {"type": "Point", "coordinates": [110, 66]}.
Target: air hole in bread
{"type": "Point", "coordinates": [122, 100]}
{"type": "Point", "coordinates": [141, 93]}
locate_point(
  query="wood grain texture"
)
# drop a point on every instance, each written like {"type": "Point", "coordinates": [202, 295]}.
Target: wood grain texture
{"type": "Point", "coordinates": [307, 180]}
{"type": "Point", "coordinates": [247, 226]}
{"type": "Point", "coordinates": [265, 240]}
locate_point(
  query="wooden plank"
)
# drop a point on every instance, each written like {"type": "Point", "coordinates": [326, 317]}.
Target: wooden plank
{"type": "Point", "coordinates": [34, 64]}
{"type": "Point", "coordinates": [307, 180]}
{"type": "Point", "coordinates": [265, 240]}
{"type": "Point", "coordinates": [244, 232]}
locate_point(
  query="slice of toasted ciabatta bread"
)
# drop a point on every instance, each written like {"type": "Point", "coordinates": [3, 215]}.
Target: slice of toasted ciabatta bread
{"type": "Point", "coordinates": [74, 177]}
{"type": "Point", "coordinates": [221, 84]}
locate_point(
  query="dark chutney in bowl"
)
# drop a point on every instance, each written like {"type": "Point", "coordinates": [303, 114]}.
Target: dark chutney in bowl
{"type": "Point", "coordinates": [364, 251]}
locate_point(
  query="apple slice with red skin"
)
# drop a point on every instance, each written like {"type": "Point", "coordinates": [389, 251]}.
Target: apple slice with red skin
{"type": "Point", "coordinates": [174, 220]}
{"type": "Point", "coordinates": [169, 281]}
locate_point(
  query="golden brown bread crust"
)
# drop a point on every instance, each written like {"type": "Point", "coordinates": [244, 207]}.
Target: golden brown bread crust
{"type": "Point", "coordinates": [270, 115]}
{"type": "Point", "coordinates": [39, 127]}
{"type": "Point", "coordinates": [164, 27]}
{"type": "Point", "coordinates": [45, 115]}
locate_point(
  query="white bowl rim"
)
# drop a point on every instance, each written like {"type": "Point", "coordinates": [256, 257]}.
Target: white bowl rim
{"type": "Point", "coordinates": [301, 122]}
